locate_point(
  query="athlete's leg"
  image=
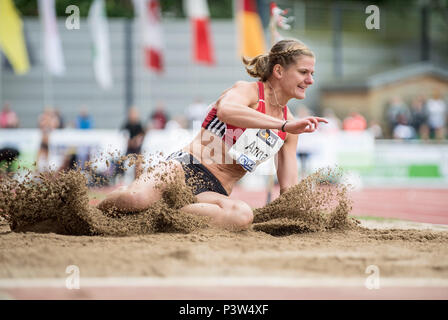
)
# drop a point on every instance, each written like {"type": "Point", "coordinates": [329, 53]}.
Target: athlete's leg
{"type": "Point", "coordinates": [145, 190]}
{"type": "Point", "coordinates": [148, 188]}
{"type": "Point", "coordinates": [223, 211]}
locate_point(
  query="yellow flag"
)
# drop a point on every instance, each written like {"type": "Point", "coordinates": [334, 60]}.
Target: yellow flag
{"type": "Point", "coordinates": [251, 35]}
{"type": "Point", "coordinates": [11, 37]}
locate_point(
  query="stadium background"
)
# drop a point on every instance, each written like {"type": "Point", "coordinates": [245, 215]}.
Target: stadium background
{"type": "Point", "coordinates": [362, 53]}
{"type": "Point", "coordinates": [347, 53]}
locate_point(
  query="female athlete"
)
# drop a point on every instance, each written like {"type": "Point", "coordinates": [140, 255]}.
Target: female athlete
{"type": "Point", "coordinates": [249, 124]}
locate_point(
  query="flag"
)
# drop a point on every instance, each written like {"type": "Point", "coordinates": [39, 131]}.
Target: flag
{"type": "Point", "coordinates": [101, 49]}
{"type": "Point", "coordinates": [278, 19]}
{"type": "Point", "coordinates": [197, 11]}
{"type": "Point", "coordinates": [148, 12]}
{"type": "Point", "coordinates": [54, 59]}
{"type": "Point", "coordinates": [12, 42]}
{"type": "Point", "coordinates": [250, 29]}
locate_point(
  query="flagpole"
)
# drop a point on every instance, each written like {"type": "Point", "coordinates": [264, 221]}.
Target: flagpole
{"type": "Point", "coordinates": [194, 65]}
{"type": "Point", "coordinates": [271, 182]}
{"type": "Point", "coordinates": [237, 27]}
{"type": "Point", "coordinates": [142, 73]}
{"type": "Point", "coordinates": [48, 91]}
{"type": "Point", "coordinates": [144, 76]}
{"type": "Point", "coordinates": [45, 74]}
{"type": "Point", "coordinates": [144, 88]}
{"type": "Point", "coordinates": [44, 64]}
{"type": "Point", "coordinates": [129, 74]}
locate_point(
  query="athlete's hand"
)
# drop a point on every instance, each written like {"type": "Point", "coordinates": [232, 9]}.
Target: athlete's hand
{"type": "Point", "coordinates": [309, 124]}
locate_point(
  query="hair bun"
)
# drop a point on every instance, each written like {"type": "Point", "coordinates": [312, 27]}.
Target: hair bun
{"type": "Point", "coordinates": [283, 52]}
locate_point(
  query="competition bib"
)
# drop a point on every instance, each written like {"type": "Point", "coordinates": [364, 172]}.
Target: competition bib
{"type": "Point", "coordinates": [255, 146]}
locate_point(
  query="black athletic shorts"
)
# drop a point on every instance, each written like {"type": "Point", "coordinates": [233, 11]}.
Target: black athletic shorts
{"type": "Point", "coordinates": [197, 176]}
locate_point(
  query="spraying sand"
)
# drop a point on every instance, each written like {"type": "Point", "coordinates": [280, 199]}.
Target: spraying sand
{"type": "Point", "coordinates": [59, 202]}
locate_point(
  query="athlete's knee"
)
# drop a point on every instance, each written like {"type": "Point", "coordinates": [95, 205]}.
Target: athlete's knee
{"type": "Point", "coordinates": [243, 214]}
{"type": "Point", "coordinates": [131, 200]}
{"type": "Point", "coordinates": [138, 199]}
{"type": "Point", "coordinates": [247, 214]}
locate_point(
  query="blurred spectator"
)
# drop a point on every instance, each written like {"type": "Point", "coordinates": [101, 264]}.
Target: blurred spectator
{"type": "Point", "coordinates": [158, 118]}
{"type": "Point", "coordinates": [396, 107]}
{"type": "Point", "coordinates": [419, 116]}
{"type": "Point", "coordinates": [8, 118]}
{"type": "Point", "coordinates": [42, 159]}
{"type": "Point", "coordinates": [403, 130]}
{"type": "Point", "coordinates": [354, 122]}
{"type": "Point", "coordinates": [48, 120]}
{"type": "Point", "coordinates": [334, 123]}
{"type": "Point", "coordinates": [136, 135]}
{"type": "Point", "coordinates": [58, 114]}
{"type": "Point", "coordinates": [375, 129]}
{"type": "Point", "coordinates": [178, 122]}
{"type": "Point", "coordinates": [83, 156]}
{"type": "Point", "coordinates": [135, 129]}
{"type": "Point", "coordinates": [84, 120]}
{"type": "Point", "coordinates": [437, 113]}
{"type": "Point", "coordinates": [70, 161]}
{"type": "Point", "coordinates": [8, 156]}
{"type": "Point", "coordinates": [196, 112]}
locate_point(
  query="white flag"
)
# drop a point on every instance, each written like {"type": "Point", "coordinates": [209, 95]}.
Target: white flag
{"type": "Point", "coordinates": [197, 11]}
{"type": "Point", "coordinates": [101, 49]}
{"type": "Point", "coordinates": [148, 13]}
{"type": "Point", "coordinates": [54, 59]}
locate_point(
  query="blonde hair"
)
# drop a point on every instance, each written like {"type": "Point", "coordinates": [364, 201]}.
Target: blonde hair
{"type": "Point", "coordinates": [283, 53]}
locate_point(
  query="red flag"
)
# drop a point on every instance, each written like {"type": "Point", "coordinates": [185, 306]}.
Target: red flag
{"type": "Point", "coordinates": [149, 15]}
{"type": "Point", "coordinates": [199, 15]}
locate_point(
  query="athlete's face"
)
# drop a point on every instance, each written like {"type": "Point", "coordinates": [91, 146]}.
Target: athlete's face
{"type": "Point", "coordinates": [297, 77]}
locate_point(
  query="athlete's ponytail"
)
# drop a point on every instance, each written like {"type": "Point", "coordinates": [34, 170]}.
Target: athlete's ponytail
{"type": "Point", "coordinates": [257, 67]}
{"type": "Point", "coordinates": [283, 52]}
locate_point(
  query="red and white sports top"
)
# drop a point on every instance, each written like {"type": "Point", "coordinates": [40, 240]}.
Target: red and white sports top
{"type": "Point", "coordinates": [230, 133]}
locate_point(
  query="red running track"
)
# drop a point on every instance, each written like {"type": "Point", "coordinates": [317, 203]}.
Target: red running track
{"type": "Point", "coordinates": [414, 204]}
{"type": "Point", "coordinates": [225, 293]}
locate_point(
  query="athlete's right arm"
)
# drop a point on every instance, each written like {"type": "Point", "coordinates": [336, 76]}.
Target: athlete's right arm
{"type": "Point", "coordinates": [233, 108]}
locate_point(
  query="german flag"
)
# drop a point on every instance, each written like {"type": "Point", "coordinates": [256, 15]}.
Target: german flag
{"type": "Point", "coordinates": [250, 29]}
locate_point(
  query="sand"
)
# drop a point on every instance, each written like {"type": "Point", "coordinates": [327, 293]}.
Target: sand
{"type": "Point", "coordinates": [48, 224]}
{"type": "Point", "coordinates": [211, 253]}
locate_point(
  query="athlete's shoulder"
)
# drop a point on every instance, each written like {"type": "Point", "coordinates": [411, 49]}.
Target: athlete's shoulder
{"type": "Point", "coordinates": [242, 92]}
{"type": "Point", "coordinates": [246, 88]}
{"type": "Point", "coordinates": [245, 85]}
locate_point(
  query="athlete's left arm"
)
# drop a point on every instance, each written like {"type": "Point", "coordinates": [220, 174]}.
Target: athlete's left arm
{"type": "Point", "coordinates": [287, 168]}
